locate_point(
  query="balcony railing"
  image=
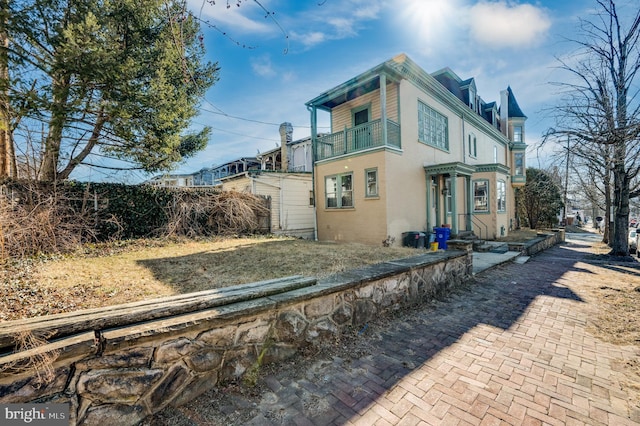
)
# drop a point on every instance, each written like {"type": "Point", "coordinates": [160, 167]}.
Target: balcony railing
{"type": "Point", "coordinates": [359, 138]}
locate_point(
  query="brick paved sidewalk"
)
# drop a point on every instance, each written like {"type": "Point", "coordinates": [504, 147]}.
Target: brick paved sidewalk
{"type": "Point", "coordinates": [512, 350]}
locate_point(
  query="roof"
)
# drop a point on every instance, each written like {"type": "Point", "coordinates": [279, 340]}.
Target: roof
{"type": "Point", "coordinates": [291, 143]}
{"type": "Point", "coordinates": [514, 108]}
{"type": "Point", "coordinates": [364, 83]}
{"type": "Point", "coordinates": [444, 85]}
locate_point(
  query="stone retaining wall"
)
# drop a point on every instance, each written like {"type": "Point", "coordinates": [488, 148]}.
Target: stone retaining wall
{"type": "Point", "coordinates": [542, 242]}
{"type": "Point", "coordinates": [128, 370]}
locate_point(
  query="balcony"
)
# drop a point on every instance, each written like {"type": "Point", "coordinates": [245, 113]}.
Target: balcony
{"type": "Point", "coordinates": [356, 139]}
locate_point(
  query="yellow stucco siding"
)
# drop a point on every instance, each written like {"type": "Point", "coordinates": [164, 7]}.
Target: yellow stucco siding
{"type": "Point", "coordinates": [402, 204]}
{"type": "Point", "coordinates": [406, 189]}
{"type": "Point", "coordinates": [366, 221]}
{"type": "Point", "coordinates": [488, 150]}
{"type": "Point", "coordinates": [413, 148]}
{"type": "Point", "coordinates": [496, 222]}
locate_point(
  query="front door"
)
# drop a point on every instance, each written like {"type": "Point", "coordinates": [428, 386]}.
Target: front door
{"type": "Point", "coordinates": [361, 132]}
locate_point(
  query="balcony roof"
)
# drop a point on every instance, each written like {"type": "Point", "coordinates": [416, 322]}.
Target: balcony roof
{"type": "Point", "coordinates": [360, 85]}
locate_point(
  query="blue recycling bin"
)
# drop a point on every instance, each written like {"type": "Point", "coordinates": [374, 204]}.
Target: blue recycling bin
{"type": "Point", "coordinates": [442, 235]}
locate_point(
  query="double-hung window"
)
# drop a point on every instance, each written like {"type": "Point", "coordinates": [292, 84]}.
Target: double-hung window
{"type": "Point", "coordinates": [481, 196]}
{"type": "Point", "coordinates": [473, 145]}
{"type": "Point", "coordinates": [502, 196]}
{"type": "Point", "coordinates": [519, 163]}
{"type": "Point", "coordinates": [371, 178]}
{"type": "Point", "coordinates": [433, 127]}
{"type": "Point", "coordinates": [339, 191]}
{"type": "Point", "coordinates": [448, 199]}
{"type": "Point", "coordinates": [517, 133]}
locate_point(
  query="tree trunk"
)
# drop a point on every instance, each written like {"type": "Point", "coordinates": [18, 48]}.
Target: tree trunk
{"type": "Point", "coordinates": [7, 156]}
{"type": "Point", "coordinates": [607, 210]}
{"type": "Point", "coordinates": [49, 171]}
{"type": "Point", "coordinates": [91, 143]}
{"type": "Point", "coordinates": [619, 242]}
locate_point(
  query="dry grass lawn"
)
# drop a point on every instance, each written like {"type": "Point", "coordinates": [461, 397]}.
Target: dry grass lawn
{"type": "Point", "coordinates": [129, 271]}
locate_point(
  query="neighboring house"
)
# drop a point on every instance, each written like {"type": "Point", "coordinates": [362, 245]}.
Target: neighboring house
{"type": "Point", "coordinates": [171, 180]}
{"type": "Point", "coordinates": [208, 176]}
{"type": "Point", "coordinates": [284, 176]}
{"type": "Point", "coordinates": [296, 158]}
{"type": "Point", "coordinates": [203, 177]}
{"type": "Point", "coordinates": [410, 151]}
{"type": "Point", "coordinates": [231, 168]}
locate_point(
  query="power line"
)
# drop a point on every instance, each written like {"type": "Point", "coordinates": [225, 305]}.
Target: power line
{"type": "Point", "coordinates": [220, 112]}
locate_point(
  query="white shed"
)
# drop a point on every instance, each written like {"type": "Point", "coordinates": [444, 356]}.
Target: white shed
{"type": "Point", "coordinates": [292, 210]}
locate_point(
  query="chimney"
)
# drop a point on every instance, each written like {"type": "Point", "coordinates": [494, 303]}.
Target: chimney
{"type": "Point", "coordinates": [504, 112]}
{"type": "Point", "coordinates": [286, 136]}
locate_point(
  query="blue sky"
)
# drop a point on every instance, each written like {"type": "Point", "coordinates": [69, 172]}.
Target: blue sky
{"type": "Point", "coordinates": [271, 65]}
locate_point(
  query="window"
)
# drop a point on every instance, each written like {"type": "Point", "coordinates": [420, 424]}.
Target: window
{"type": "Point", "coordinates": [473, 145]}
{"type": "Point", "coordinates": [311, 199]}
{"type": "Point", "coordinates": [447, 198]}
{"type": "Point", "coordinates": [371, 177]}
{"type": "Point", "coordinates": [495, 154]}
{"type": "Point", "coordinates": [360, 115]}
{"type": "Point", "coordinates": [339, 191]}
{"type": "Point", "coordinates": [519, 163]}
{"type": "Point", "coordinates": [502, 196]}
{"type": "Point", "coordinates": [481, 196]}
{"type": "Point", "coordinates": [517, 133]}
{"type": "Point", "coordinates": [432, 127]}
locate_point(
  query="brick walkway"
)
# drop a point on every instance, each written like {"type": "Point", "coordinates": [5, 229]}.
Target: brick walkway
{"type": "Point", "coordinates": [515, 350]}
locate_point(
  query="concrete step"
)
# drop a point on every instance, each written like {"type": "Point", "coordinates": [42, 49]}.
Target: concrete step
{"type": "Point", "coordinates": [500, 248]}
{"type": "Point", "coordinates": [466, 235]}
{"type": "Point", "coordinates": [482, 247]}
{"type": "Point", "coordinates": [490, 246]}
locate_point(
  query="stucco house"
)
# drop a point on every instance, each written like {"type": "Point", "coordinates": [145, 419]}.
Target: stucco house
{"type": "Point", "coordinates": [410, 151]}
{"type": "Point", "coordinates": [284, 176]}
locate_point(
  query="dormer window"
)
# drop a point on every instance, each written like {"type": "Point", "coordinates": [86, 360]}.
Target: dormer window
{"type": "Point", "coordinates": [472, 98]}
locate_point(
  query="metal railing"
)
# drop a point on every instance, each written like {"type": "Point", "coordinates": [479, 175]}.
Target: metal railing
{"type": "Point", "coordinates": [359, 138]}
{"type": "Point", "coordinates": [475, 224]}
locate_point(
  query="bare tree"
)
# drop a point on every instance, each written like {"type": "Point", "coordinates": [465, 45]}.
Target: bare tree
{"type": "Point", "coordinates": [601, 111]}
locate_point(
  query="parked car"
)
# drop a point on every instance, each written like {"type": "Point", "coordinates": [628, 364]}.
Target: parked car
{"type": "Point", "coordinates": [633, 240]}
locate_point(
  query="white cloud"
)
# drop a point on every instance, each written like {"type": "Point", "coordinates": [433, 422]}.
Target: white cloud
{"type": "Point", "coordinates": [246, 19]}
{"type": "Point", "coordinates": [367, 11]}
{"type": "Point", "coordinates": [263, 66]}
{"type": "Point", "coordinates": [333, 21]}
{"type": "Point", "coordinates": [308, 39]}
{"type": "Point", "coordinates": [501, 24]}
{"type": "Point", "coordinates": [343, 27]}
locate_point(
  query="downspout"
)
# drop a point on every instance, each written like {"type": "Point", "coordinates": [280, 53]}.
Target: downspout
{"type": "Point", "coordinates": [281, 193]}
{"type": "Point", "coordinates": [467, 204]}
{"type": "Point", "coordinates": [428, 185]}
{"type": "Point", "coordinates": [314, 143]}
{"type": "Point", "coordinates": [464, 146]}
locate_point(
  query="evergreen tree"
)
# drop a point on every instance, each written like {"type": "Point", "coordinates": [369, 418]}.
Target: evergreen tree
{"type": "Point", "coordinates": [114, 78]}
{"type": "Point", "coordinates": [541, 199]}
